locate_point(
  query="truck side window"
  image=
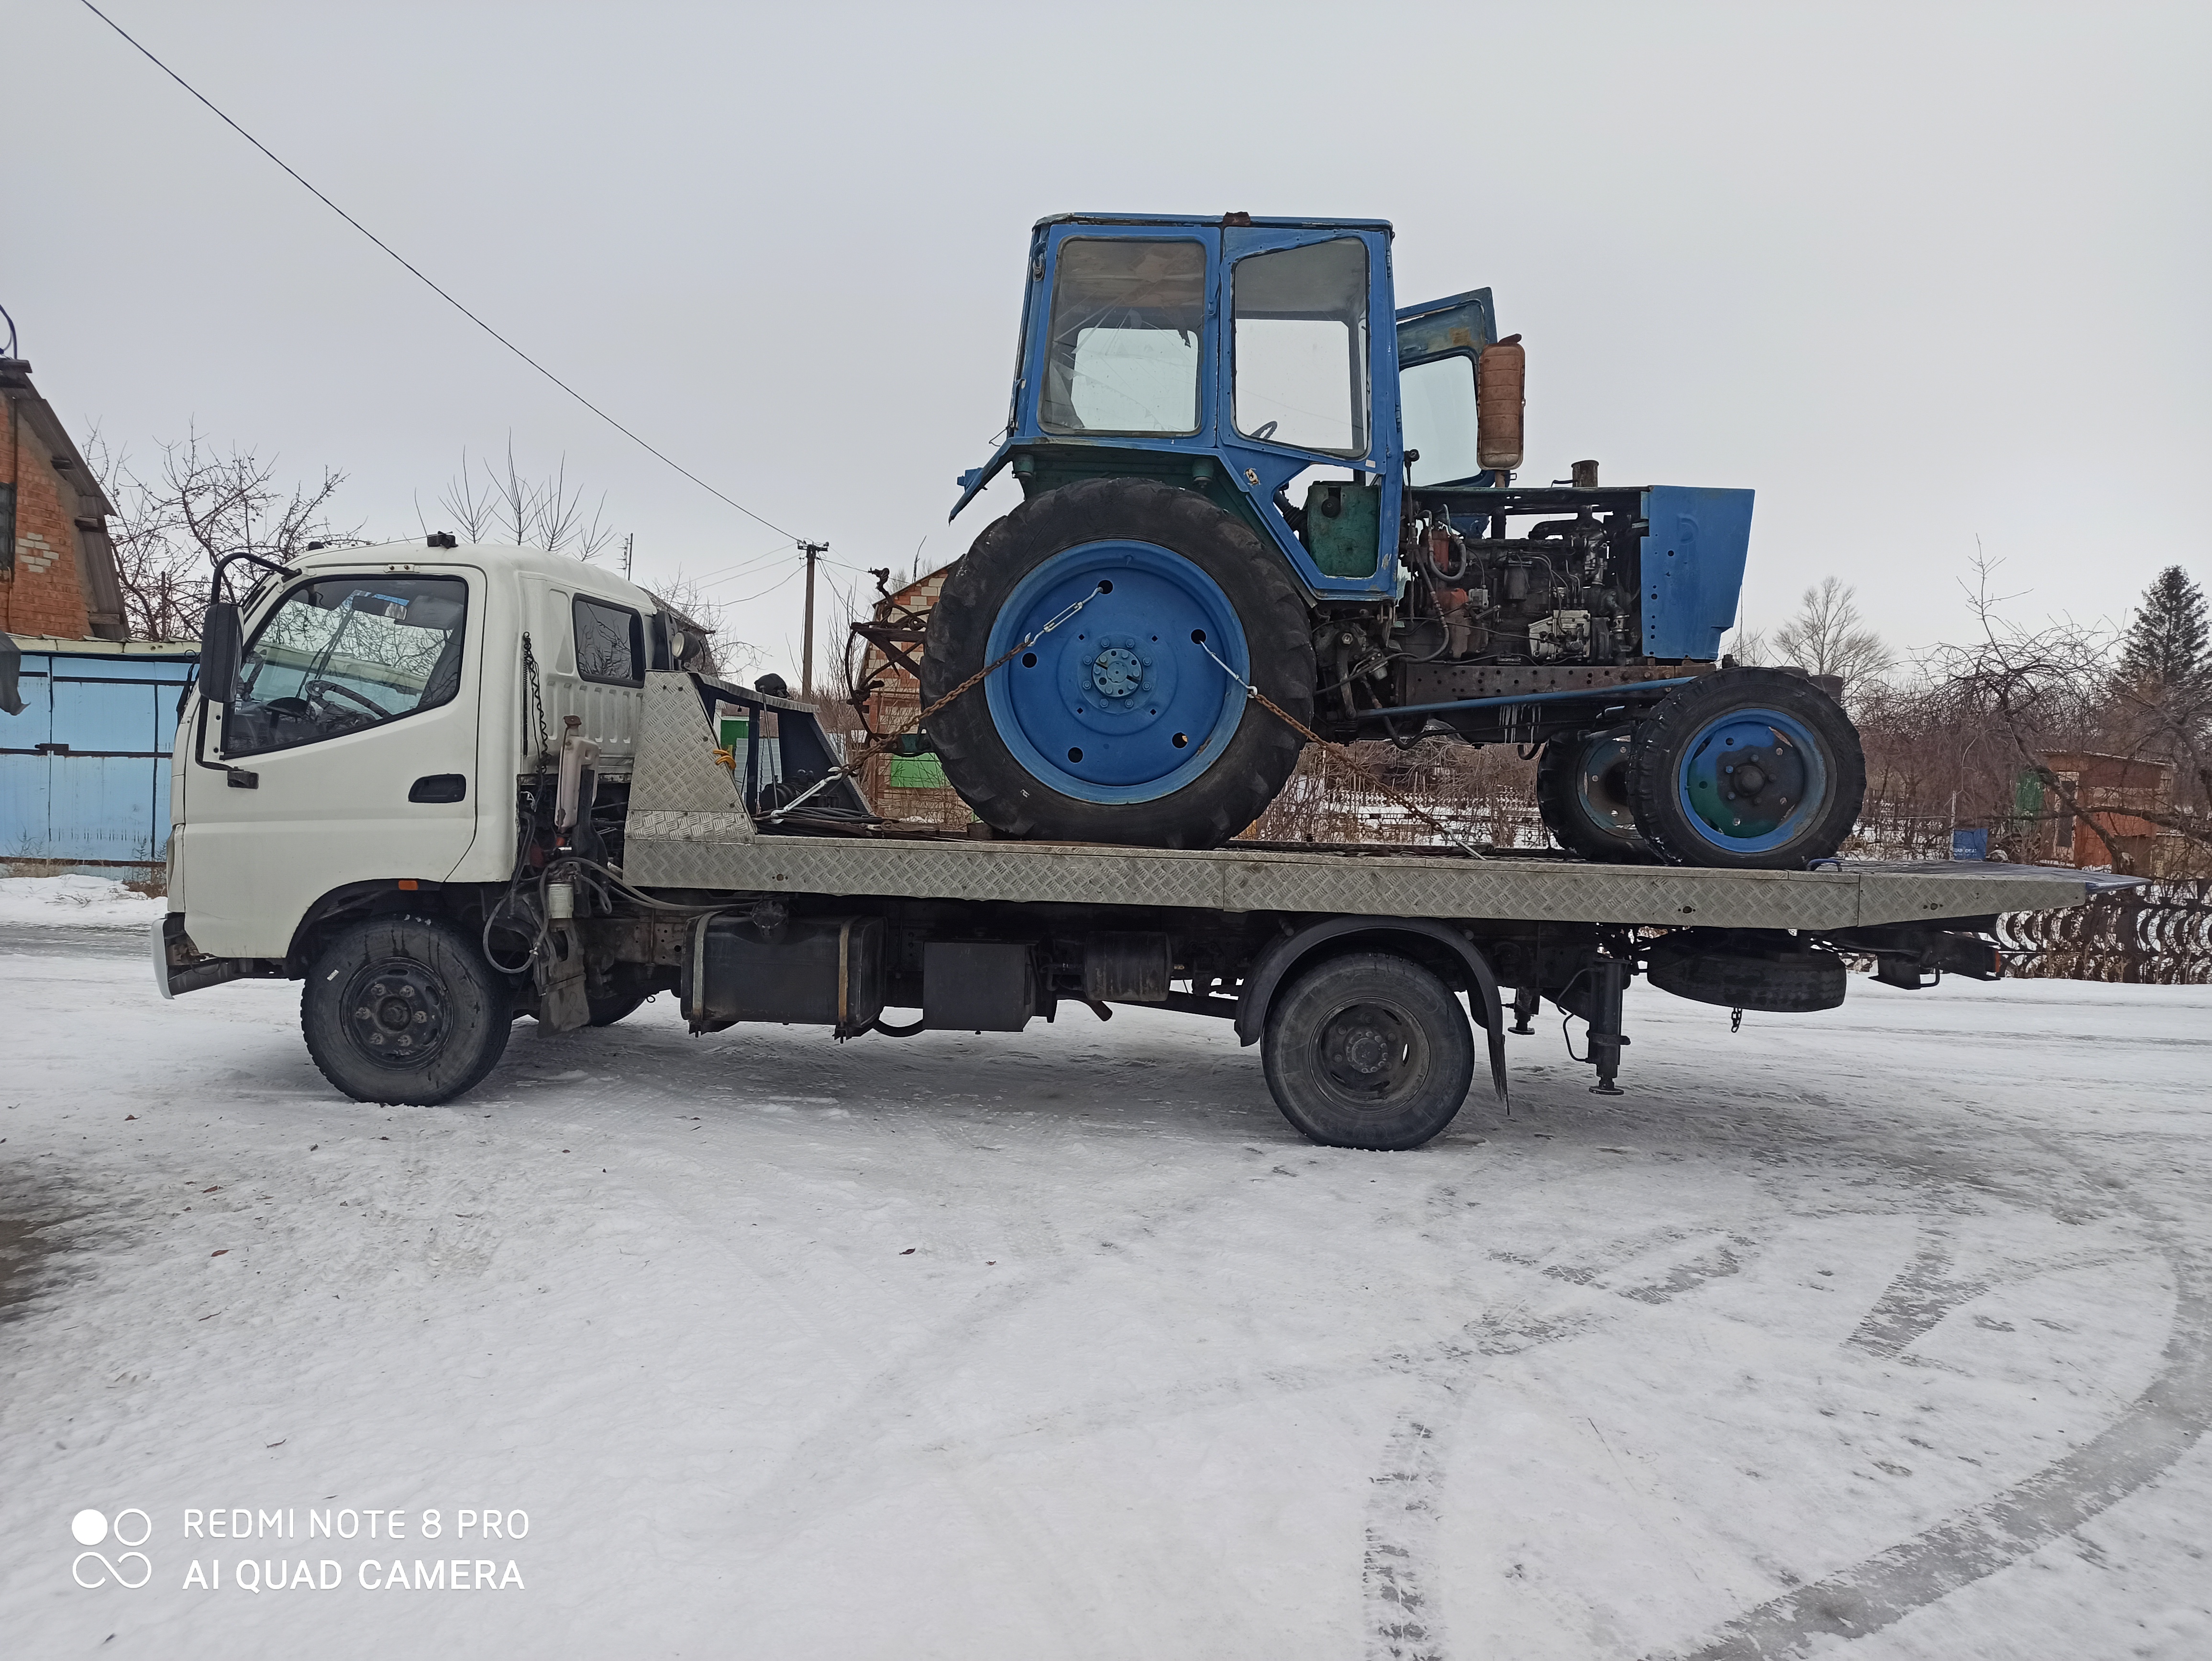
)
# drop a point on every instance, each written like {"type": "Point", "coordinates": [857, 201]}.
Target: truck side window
{"type": "Point", "coordinates": [1301, 346]}
{"type": "Point", "coordinates": [610, 643]}
{"type": "Point", "coordinates": [343, 653]}
{"type": "Point", "coordinates": [1127, 320]}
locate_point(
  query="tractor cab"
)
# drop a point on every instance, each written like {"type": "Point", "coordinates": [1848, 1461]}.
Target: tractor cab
{"type": "Point", "coordinates": [1259, 359]}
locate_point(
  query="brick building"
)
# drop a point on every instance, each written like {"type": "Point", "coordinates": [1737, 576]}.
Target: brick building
{"type": "Point", "coordinates": [2110, 832]}
{"type": "Point", "coordinates": [57, 566]}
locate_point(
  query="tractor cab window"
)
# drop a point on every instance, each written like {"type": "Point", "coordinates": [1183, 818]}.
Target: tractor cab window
{"type": "Point", "coordinates": [1126, 319]}
{"type": "Point", "coordinates": [1436, 404]}
{"type": "Point", "coordinates": [1301, 347]}
{"type": "Point", "coordinates": [342, 653]}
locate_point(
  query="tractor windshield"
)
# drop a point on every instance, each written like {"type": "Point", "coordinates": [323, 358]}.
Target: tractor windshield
{"type": "Point", "coordinates": [1301, 347]}
{"type": "Point", "coordinates": [1126, 319]}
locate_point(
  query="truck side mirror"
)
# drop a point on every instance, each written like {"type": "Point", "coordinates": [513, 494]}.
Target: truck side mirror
{"type": "Point", "coordinates": [1501, 382]}
{"type": "Point", "coordinates": [220, 640]}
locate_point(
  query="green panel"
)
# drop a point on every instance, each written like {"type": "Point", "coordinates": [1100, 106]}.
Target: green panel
{"type": "Point", "coordinates": [734, 733]}
{"type": "Point", "coordinates": [1345, 543]}
{"type": "Point", "coordinates": [917, 773]}
{"type": "Point", "coordinates": [2027, 796]}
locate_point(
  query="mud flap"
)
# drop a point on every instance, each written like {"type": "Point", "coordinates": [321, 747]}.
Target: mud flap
{"type": "Point", "coordinates": [563, 1004]}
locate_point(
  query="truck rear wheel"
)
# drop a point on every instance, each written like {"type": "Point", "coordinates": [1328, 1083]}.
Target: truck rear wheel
{"type": "Point", "coordinates": [1369, 1051]}
{"type": "Point", "coordinates": [1120, 725]}
{"type": "Point", "coordinates": [1748, 769]}
{"type": "Point", "coordinates": [405, 1011]}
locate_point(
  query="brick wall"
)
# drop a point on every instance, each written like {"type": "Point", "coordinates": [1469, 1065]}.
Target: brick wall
{"type": "Point", "coordinates": [46, 596]}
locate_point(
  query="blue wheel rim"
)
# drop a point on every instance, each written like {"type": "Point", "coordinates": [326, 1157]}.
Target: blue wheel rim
{"type": "Point", "coordinates": [1792, 780]}
{"type": "Point", "coordinates": [1095, 709]}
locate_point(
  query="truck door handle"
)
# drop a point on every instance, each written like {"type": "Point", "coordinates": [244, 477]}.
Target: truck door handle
{"type": "Point", "coordinates": [440, 787]}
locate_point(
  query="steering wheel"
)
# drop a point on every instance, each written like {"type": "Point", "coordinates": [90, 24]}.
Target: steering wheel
{"type": "Point", "coordinates": [320, 692]}
{"type": "Point", "coordinates": [1267, 432]}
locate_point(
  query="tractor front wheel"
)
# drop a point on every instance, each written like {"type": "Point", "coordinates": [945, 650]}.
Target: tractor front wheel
{"type": "Point", "coordinates": [1748, 769]}
{"type": "Point", "coordinates": [1582, 791]}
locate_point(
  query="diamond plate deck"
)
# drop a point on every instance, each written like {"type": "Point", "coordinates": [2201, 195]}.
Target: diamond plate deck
{"type": "Point", "coordinates": [687, 828]}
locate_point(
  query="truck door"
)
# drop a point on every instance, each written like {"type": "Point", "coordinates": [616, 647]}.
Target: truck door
{"type": "Point", "coordinates": [355, 721]}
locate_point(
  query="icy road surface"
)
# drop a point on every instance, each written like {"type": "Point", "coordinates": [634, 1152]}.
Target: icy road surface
{"type": "Point", "coordinates": [1883, 1331]}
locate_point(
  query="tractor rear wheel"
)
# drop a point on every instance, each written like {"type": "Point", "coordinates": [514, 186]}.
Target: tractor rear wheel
{"type": "Point", "coordinates": [1748, 769]}
{"type": "Point", "coordinates": [1128, 722]}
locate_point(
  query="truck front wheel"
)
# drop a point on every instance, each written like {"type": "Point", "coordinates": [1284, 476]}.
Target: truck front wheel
{"type": "Point", "coordinates": [1369, 1051]}
{"type": "Point", "coordinates": [405, 1011]}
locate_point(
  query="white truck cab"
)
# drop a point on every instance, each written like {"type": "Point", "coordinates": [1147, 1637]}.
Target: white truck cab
{"type": "Point", "coordinates": [372, 737]}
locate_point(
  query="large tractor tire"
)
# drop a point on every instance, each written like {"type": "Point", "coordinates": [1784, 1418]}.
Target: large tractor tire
{"type": "Point", "coordinates": [1748, 770]}
{"type": "Point", "coordinates": [1582, 791]}
{"type": "Point", "coordinates": [1119, 726]}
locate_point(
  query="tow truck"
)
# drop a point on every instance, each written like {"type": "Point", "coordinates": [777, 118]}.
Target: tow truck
{"type": "Point", "coordinates": [447, 788]}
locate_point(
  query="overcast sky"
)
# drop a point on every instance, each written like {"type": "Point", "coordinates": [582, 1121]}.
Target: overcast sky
{"type": "Point", "coordinates": [1916, 274]}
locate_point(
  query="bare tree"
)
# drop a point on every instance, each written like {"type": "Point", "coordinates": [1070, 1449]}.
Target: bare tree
{"type": "Point", "coordinates": [505, 505]}
{"type": "Point", "coordinates": [1747, 647]}
{"type": "Point", "coordinates": [1829, 638]}
{"type": "Point", "coordinates": [207, 504]}
{"type": "Point", "coordinates": [692, 612]}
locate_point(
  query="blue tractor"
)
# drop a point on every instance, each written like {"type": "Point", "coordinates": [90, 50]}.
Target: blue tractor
{"type": "Point", "coordinates": [1245, 470]}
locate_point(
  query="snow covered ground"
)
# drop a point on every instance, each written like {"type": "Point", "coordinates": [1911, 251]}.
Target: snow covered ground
{"type": "Point", "coordinates": [1887, 1330]}
{"type": "Point", "coordinates": [74, 901]}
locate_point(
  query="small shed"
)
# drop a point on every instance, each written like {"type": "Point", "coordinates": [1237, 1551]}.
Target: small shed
{"type": "Point", "coordinates": [84, 767]}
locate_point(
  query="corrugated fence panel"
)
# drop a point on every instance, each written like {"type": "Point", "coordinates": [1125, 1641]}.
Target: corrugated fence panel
{"type": "Point", "coordinates": [102, 793]}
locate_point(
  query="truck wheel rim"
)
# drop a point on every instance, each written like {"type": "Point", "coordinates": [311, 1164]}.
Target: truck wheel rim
{"type": "Point", "coordinates": [397, 1012]}
{"type": "Point", "coordinates": [1752, 780]}
{"type": "Point", "coordinates": [1369, 1054]}
{"type": "Point", "coordinates": [1122, 702]}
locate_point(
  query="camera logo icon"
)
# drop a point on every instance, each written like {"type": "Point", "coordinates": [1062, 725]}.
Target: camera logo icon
{"type": "Point", "coordinates": [91, 1527]}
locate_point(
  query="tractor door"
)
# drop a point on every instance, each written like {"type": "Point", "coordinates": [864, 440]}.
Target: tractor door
{"type": "Point", "coordinates": [1439, 344]}
{"type": "Point", "coordinates": [1308, 382]}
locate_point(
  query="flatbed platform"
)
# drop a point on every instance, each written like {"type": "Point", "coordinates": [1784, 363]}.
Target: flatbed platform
{"type": "Point", "coordinates": [688, 828]}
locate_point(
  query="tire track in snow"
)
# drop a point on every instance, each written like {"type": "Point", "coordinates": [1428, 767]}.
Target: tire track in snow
{"type": "Point", "coordinates": [1401, 1567]}
{"type": "Point", "coordinates": [2163, 1423]}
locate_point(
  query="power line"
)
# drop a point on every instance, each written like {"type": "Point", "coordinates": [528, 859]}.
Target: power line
{"type": "Point", "coordinates": [649, 449]}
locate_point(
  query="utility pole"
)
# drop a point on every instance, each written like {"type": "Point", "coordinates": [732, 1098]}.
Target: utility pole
{"type": "Point", "coordinates": [813, 550]}
{"type": "Point", "coordinates": [628, 543]}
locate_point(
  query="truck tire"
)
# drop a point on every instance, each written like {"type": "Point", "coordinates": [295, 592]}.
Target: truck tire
{"type": "Point", "coordinates": [1692, 754]}
{"type": "Point", "coordinates": [405, 1011]}
{"type": "Point", "coordinates": [1119, 727]}
{"type": "Point", "coordinates": [1582, 791]}
{"type": "Point", "coordinates": [1369, 1051]}
{"type": "Point", "coordinates": [1778, 976]}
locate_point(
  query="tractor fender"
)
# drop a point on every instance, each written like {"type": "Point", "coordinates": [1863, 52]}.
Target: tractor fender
{"type": "Point", "coordinates": [1288, 951]}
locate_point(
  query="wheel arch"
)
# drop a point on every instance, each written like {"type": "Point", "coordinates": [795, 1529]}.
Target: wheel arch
{"type": "Point", "coordinates": [350, 903]}
{"type": "Point", "coordinates": [1458, 961]}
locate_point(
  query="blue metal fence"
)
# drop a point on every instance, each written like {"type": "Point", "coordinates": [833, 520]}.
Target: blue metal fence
{"type": "Point", "coordinates": [84, 770]}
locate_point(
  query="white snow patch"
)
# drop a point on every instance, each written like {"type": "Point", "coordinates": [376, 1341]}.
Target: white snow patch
{"type": "Point", "coordinates": [76, 902]}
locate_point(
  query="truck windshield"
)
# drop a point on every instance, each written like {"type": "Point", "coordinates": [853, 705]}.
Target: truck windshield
{"type": "Point", "coordinates": [341, 653]}
{"type": "Point", "coordinates": [1126, 319]}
